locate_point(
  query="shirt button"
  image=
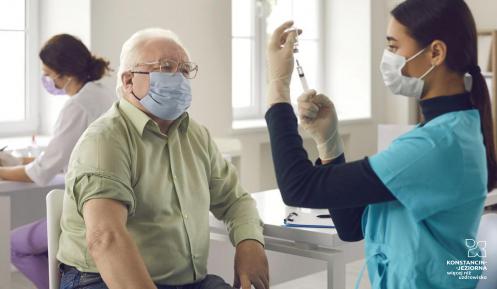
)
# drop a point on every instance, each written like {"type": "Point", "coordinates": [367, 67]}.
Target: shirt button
{"type": "Point", "coordinates": [185, 216]}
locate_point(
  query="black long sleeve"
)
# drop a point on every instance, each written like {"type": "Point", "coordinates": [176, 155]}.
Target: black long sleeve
{"type": "Point", "coordinates": [343, 188]}
{"type": "Point", "coordinates": [347, 221]}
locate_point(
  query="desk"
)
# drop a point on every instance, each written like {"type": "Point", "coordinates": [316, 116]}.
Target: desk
{"type": "Point", "coordinates": [319, 244]}
{"type": "Point", "coordinates": [20, 203]}
{"type": "Point", "coordinates": [27, 200]}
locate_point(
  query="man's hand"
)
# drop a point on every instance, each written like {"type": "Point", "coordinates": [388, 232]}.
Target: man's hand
{"type": "Point", "coordinates": [251, 266]}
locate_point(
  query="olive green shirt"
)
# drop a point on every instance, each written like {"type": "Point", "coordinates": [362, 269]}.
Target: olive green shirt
{"type": "Point", "coordinates": [169, 183]}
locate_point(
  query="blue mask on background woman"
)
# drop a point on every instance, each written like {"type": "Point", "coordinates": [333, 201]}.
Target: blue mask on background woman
{"type": "Point", "coordinates": [169, 95]}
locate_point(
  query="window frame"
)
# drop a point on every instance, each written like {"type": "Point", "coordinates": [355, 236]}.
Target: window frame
{"type": "Point", "coordinates": [249, 111]}
{"type": "Point", "coordinates": [31, 75]}
{"type": "Point", "coordinates": [258, 108]}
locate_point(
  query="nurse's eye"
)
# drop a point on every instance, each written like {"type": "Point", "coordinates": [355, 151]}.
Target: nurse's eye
{"type": "Point", "coordinates": [392, 48]}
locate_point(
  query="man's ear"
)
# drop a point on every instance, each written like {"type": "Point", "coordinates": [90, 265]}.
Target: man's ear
{"type": "Point", "coordinates": [438, 52]}
{"type": "Point", "coordinates": [127, 80]}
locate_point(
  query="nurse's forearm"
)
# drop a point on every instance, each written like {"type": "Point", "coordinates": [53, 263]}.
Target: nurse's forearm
{"type": "Point", "coordinates": [347, 221]}
{"type": "Point", "coordinates": [345, 185]}
{"type": "Point", "coordinates": [17, 174]}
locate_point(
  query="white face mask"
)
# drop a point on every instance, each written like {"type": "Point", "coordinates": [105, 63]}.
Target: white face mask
{"type": "Point", "coordinates": [391, 70]}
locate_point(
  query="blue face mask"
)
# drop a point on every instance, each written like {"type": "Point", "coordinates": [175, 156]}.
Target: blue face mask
{"type": "Point", "coordinates": [169, 95]}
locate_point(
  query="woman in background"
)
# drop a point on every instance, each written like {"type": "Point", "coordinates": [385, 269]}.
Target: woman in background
{"type": "Point", "coordinates": [70, 69]}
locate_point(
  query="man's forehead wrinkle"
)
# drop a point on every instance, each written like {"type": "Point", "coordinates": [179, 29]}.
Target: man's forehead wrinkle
{"type": "Point", "coordinates": [151, 50]}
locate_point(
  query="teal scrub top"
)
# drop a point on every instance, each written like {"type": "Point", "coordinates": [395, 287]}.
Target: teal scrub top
{"type": "Point", "coordinates": [438, 174]}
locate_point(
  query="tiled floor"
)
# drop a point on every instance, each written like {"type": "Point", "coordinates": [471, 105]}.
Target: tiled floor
{"type": "Point", "coordinates": [314, 281]}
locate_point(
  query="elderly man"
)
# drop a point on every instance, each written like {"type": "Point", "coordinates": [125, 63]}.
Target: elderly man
{"type": "Point", "coordinates": [142, 180]}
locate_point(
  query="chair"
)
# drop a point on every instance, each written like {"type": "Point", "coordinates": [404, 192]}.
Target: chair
{"type": "Point", "coordinates": [54, 212]}
{"type": "Point", "coordinates": [488, 233]}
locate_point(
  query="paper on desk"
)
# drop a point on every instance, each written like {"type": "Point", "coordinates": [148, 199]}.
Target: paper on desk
{"type": "Point", "coordinates": [307, 220]}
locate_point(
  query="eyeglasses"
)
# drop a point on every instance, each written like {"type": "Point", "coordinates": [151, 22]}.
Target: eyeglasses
{"type": "Point", "coordinates": [188, 69]}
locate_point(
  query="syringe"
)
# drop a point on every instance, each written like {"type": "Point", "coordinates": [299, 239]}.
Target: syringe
{"type": "Point", "coordinates": [303, 81]}
{"type": "Point", "coordinates": [300, 70]}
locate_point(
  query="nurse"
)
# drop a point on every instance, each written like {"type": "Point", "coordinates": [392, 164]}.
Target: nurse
{"type": "Point", "coordinates": [416, 202]}
{"type": "Point", "coordinates": [70, 69]}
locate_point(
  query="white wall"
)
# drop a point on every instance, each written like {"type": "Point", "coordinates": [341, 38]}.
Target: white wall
{"type": "Point", "coordinates": [105, 25]}
{"type": "Point", "coordinates": [60, 16]}
{"type": "Point", "coordinates": [485, 13]}
{"type": "Point", "coordinates": [204, 27]}
{"type": "Point", "coordinates": [206, 31]}
{"type": "Point", "coordinates": [209, 42]}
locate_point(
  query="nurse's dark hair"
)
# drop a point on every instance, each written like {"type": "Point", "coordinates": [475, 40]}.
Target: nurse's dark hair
{"type": "Point", "coordinates": [452, 22]}
{"type": "Point", "coordinates": [67, 55]}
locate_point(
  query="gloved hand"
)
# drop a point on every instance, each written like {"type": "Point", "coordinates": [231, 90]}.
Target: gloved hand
{"type": "Point", "coordinates": [318, 117]}
{"type": "Point", "coordinates": [280, 64]}
{"type": "Point", "coordinates": [8, 160]}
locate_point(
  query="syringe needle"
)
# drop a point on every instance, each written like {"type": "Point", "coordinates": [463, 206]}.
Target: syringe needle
{"type": "Point", "coordinates": [303, 80]}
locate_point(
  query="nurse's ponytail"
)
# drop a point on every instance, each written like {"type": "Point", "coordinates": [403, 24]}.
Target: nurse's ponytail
{"type": "Point", "coordinates": [480, 97]}
{"type": "Point", "coordinates": [452, 22]}
{"type": "Point", "coordinates": [67, 55]}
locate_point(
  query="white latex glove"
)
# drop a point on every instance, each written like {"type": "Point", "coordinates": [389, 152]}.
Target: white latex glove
{"type": "Point", "coordinates": [8, 160]}
{"type": "Point", "coordinates": [280, 64]}
{"type": "Point", "coordinates": [318, 117]}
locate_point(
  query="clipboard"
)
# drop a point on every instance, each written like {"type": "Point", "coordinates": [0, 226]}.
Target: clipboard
{"type": "Point", "coordinates": [308, 220]}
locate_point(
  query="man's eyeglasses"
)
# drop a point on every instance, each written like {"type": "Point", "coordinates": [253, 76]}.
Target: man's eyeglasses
{"type": "Point", "coordinates": [188, 69]}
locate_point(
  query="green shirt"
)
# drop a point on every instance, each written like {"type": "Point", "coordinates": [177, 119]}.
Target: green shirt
{"type": "Point", "coordinates": [169, 183]}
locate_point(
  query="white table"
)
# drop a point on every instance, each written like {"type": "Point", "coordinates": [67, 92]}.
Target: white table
{"type": "Point", "coordinates": [20, 203]}
{"type": "Point", "coordinates": [319, 244]}
{"type": "Point", "coordinates": [27, 200]}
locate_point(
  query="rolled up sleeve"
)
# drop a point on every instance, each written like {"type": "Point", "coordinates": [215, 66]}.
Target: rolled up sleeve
{"type": "Point", "coordinates": [100, 169]}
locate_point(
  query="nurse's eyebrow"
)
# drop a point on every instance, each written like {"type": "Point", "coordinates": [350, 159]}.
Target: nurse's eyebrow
{"type": "Point", "coordinates": [390, 38]}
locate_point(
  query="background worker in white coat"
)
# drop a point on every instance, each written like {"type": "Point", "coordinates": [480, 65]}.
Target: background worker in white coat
{"type": "Point", "coordinates": [70, 69]}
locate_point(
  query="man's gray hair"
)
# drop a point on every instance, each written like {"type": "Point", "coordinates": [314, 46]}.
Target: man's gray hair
{"type": "Point", "coordinates": [130, 50]}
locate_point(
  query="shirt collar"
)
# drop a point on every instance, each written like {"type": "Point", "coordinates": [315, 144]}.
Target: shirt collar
{"type": "Point", "coordinates": [140, 120]}
{"type": "Point", "coordinates": [181, 123]}
{"type": "Point", "coordinates": [435, 107]}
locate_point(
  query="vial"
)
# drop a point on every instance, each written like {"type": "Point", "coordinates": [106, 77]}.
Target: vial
{"type": "Point", "coordinates": [296, 44]}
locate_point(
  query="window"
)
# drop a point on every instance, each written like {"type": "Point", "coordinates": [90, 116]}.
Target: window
{"type": "Point", "coordinates": [18, 55]}
{"type": "Point", "coordinates": [253, 22]}
{"type": "Point", "coordinates": [335, 52]}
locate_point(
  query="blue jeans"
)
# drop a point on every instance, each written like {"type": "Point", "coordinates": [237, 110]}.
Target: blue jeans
{"type": "Point", "coordinates": [74, 279]}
